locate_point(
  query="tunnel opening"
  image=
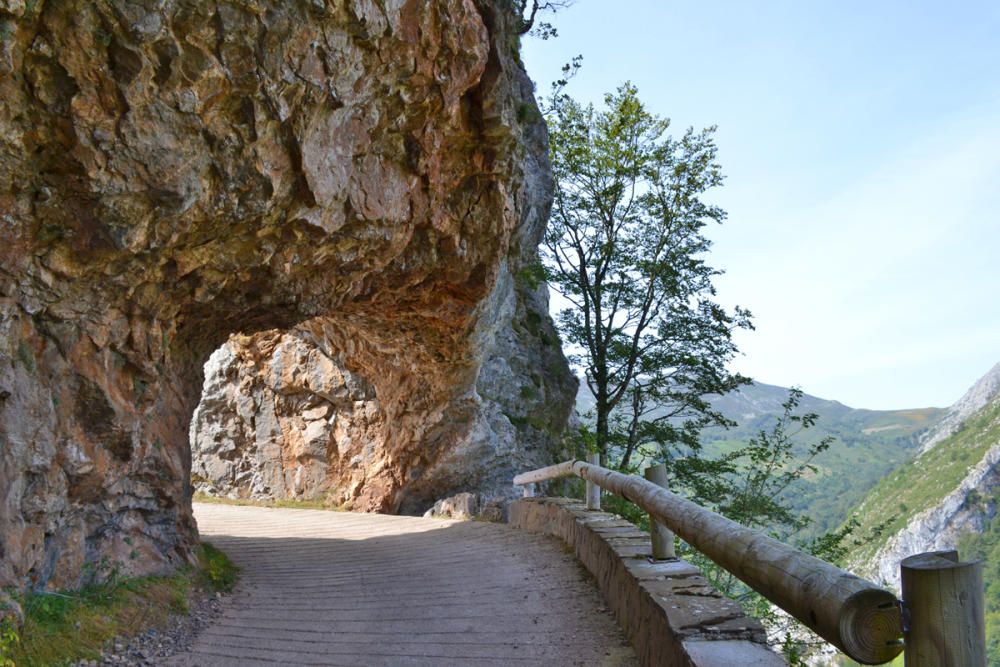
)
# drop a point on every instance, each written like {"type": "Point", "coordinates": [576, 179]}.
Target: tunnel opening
{"type": "Point", "coordinates": [281, 418]}
{"type": "Point", "coordinates": [161, 198]}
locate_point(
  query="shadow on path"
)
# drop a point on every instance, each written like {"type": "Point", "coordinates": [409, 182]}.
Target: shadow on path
{"type": "Point", "coordinates": [330, 588]}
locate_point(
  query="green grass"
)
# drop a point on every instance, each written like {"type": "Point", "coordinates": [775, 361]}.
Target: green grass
{"type": "Point", "coordinates": [215, 571]}
{"type": "Point", "coordinates": [925, 481]}
{"type": "Point", "coordinates": [63, 627]}
{"type": "Point", "coordinates": [312, 504]}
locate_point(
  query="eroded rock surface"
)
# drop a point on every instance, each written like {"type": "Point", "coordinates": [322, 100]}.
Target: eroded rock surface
{"type": "Point", "coordinates": [368, 177]}
{"type": "Point", "coordinates": [975, 399]}
{"type": "Point", "coordinates": [968, 509]}
{"type": "Point", "coordinates": [280, 419]}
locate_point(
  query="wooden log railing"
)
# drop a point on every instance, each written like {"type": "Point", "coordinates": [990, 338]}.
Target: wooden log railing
{"type": "Point", "coordinates": [856, 616]}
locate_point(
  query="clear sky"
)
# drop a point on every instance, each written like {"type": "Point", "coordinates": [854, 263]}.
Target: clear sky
{"type": "Point", "coordinates": [861, 144]}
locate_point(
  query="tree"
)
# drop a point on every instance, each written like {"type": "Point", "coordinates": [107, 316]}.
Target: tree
{"type": "Point", "coordinates": [530, 10]}
{"type": "Point", "coordinates": [625, 247]}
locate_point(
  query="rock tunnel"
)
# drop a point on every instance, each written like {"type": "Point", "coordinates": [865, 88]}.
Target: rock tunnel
{"type": "Point", "coordinates": [358, 180]}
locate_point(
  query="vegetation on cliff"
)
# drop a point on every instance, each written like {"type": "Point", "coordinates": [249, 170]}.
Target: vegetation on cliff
{"type": "Point", "coordinates": [923, 482]}
{"type": "Point", "coordinates": [986, 547]}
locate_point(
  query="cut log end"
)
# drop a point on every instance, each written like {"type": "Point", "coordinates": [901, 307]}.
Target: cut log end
{"type": "Point", "coordinates": [871, 627]}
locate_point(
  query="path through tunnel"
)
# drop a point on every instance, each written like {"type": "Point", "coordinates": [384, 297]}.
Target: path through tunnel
{"type": "Point", "coordinates": [364, 179]}
{"type": "Point", "coordinates": [333, 588]}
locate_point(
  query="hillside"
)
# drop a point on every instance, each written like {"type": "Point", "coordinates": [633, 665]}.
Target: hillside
{"type": "Point", "coordinates": [867, 445]}
{"type": "Point", "coordinates": [945, 498]}
{"type": "Point", "coordinates": [934, 499]}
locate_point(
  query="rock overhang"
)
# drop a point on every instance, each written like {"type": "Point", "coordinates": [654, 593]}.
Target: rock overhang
{"type": "Point", "coordinates": [351, 173]}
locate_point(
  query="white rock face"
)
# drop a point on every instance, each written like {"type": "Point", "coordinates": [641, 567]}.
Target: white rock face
{"type": "Point", "coordinates": [460, 506]}
{"type": "Point", "coordinates": [969, 508]}
{"type": "Point", "coordinates": [981, 393]}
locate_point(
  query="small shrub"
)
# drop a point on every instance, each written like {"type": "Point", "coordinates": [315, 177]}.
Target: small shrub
{"type": "Point", "coordinates": [9, 640]}
{"type": "Point", "coordinates": [218, 572]}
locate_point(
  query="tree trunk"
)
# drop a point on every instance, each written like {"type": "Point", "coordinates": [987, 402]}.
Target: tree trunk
{"type": "Point", "coordinates": [603, 410]}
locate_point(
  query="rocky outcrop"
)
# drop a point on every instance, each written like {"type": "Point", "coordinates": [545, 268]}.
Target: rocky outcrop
{"type": "Point", "coordinates": [981, 393]}
{"type": "Point", "coordinates": [280, 419]}
{"type": "Point", "coordinates": [366, 177]}
{"type": "Point", "coordinates": [947, 510]}
{"type": "Point", "coordinates": [968, 509]}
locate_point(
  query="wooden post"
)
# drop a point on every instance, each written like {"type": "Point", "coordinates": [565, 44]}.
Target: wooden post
{"type": "Point", "coordinates": [943, 608]}
{"type": "Point", "coordinates": [593, 490]}
{"type": "Point", "coordinates": [529, 490]}
{"type": "Point", "coordinates": [661, 536]}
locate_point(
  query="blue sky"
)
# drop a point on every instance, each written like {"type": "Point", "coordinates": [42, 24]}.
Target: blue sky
{"type": "Point", "coordinates": [861, 144]}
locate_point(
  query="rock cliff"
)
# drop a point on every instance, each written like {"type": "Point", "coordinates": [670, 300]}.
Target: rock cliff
{"type": "Point", "coordinates": [981, 393]}
{"type": "Point", "coordinates": [967, 509]}
{"type": "Point", "coordinates": [949, 489]}
{"type": "Point", "coordinates": [363, 180]}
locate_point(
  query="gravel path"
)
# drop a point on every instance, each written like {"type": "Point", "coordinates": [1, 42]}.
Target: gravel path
{"type": "Point", "coordinates": [331, 588]}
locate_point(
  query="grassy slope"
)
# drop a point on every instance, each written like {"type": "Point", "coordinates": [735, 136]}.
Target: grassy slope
{"type": "Point", "coordinates": [61, 628]}
{"type": "Point", "coordinates": [866, 446]}
{"type": "Point", "coordinates": [923, 482]}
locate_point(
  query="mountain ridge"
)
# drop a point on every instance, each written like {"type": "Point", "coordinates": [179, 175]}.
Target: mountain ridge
{"type": "Point", "coordinates": [979, 394]}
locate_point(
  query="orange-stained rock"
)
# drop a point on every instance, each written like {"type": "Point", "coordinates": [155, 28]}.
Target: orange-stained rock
{"type": "Point", "coordinates": [368, 178]}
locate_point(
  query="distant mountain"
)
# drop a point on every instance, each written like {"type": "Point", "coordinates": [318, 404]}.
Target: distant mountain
{"type": "Point", "coordinates": [755, 406]}
{"type": "Point", "coordinates": [867, 445]}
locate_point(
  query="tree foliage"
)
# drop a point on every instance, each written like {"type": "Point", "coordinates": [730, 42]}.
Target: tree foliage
{"type": "Point", "coordinates": [530, 12]}
{"type": "Point", "coordinates": [626, 248]}
{"type": "Point", "coordinates": [751, 485]}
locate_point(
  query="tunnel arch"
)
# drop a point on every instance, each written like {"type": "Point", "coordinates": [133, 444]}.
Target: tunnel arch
{"type": "Point", "coordinates": [359, 175]}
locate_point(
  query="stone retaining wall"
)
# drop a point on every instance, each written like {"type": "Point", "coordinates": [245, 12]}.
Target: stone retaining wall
{"type": "Point", "coordinates": [668, 610]}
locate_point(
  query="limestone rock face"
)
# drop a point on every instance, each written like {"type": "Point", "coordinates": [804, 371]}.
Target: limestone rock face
{"type": "Point", "coordinates": [459, 506]}
{"type": "Point", "coordinates": [982, 392]}
{"type": "Point", "coordinates": [968, 509]}
{"type": "Point", "coordinates": [368, 178]}
{"type": "Point", "coordinates": [971, 505]}
{"type": "Point", "coordinates": [280, 419]}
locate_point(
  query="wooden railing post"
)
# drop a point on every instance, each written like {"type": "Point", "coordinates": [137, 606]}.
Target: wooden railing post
{"type": "Point", "coordinates": [593, 491]}
{"type": "Point", "coordinates": [661, 536]}
{"type": "Point", "coordinates": [943, 611]}
{"type": "Point", "coordinates": [529, 490]}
